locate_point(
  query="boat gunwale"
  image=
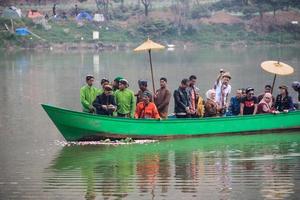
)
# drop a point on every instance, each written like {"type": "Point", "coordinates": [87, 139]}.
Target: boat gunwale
{"type": "Point", "coordinates": [186, 120]}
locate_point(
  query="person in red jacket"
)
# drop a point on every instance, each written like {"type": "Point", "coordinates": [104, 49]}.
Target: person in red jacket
{"type": "Point", "coordinates": [146, 109]}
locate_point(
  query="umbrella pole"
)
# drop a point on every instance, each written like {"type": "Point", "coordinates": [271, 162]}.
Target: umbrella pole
{"type": "Point", "coordinates": [273, 83]}
{"type": "Point", "coordinates": [151, 71]}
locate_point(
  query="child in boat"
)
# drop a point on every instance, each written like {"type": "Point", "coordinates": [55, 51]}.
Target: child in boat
{"type": "Point", "coordinates": [146, 109]}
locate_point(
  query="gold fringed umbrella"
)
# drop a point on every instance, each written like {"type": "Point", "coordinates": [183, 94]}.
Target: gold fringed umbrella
{"type": "Point", "coordinates": [148, 46]}
{"type": "Point", "coordinates": [277, 68]}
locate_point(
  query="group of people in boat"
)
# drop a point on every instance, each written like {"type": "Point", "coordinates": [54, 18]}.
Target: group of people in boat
{"type": "Point", "coordinates": [116, 99]}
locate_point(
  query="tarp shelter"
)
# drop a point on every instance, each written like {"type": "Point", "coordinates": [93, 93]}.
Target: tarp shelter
{"type": "Point", "coordinates": [22, 31]}
{"type": "Point", "coordinates": [12, 12]}
{"type": "Point", "coordinates": [84, 16]}
{"type": "Point", "coordinates": [32, 14]}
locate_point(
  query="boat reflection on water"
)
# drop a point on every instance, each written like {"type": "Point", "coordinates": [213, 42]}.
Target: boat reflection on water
{"type": "Point", "coordinates": [257, 166]}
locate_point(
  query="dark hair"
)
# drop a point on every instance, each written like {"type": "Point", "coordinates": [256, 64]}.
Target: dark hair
{"type": "Point", "coordinates": [104, 80]}
{"type": "Point", "coordinates": [249, 89]}
{"type": "Point", "coordinates": [268, 86]}
{"type": "Point", "coordinates": [184, 81]}
{"type": "Point", "coordinates": [89, 77]}
{"type": "Point", "coordinates": [192, 77]}
{"type": "Point", "coordinates": [163, 79]}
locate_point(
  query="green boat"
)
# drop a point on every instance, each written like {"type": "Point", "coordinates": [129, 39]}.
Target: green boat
{"type": "Point", "coordinates": [79, 126]}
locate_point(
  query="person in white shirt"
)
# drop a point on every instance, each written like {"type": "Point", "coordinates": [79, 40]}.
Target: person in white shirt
{"type": "Point", "coordinates": [223, 90]}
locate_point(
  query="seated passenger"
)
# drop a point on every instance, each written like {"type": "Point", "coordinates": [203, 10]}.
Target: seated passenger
{"type": "Point", "coordinates": [146, 109]}
{"type": "Point", "coordinates": [249, 103]}
{"type": "Point", "coordinates": [234, 106]}
{"type": "Point", "coordinates": [105, 103]}
{"type": "Point", "coordinates": [284, 102]}
{"type": "Point", "coordinates": [265, 105]}
{"type": "Point", "coordinates": [211, 107]}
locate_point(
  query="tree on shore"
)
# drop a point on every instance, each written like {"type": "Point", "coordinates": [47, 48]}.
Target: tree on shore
{"type": "Point", "coordinates": [146, 4]}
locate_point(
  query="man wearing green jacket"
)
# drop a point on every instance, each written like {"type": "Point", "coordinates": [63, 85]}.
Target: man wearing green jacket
{"type": "Point", "coordinates": [88, 94]}
{"type": "Point", "coordinates": [125, 100]}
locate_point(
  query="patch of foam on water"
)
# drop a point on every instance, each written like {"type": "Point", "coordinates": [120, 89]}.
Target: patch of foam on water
{"type": "Point", "coordinates": [116, 142]}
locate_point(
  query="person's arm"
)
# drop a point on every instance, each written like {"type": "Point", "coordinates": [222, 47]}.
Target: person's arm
{"type": "Point", "coordinates": [137, 112]}
{"type": "Point", "coordinates": [166, 101]}
{"type": "Point", "coordinates": [255, 109]}
{"type": "Point", "coordinates": [155, 112]}
{"type": "Point", "coordinates": [291, 104]}
{"type": "Point", "coordinates": [133, 105]}
{"type": "Point", "coordinates": [178, 101]}
{"type": "Point", "coordinates": [97, 103]}
{"type": "Point", "coordinates": [241, 108]}
{"type": "Point", "coordinates": [83, 100]}
{"type": "Point", "coordinates": [255, 105]}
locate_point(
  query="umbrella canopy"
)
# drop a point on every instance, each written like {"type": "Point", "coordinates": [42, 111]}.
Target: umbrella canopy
{"type": "Point", "coordinates": [148, 46]}
{"type": "Point", "coordinates": [276, 67]}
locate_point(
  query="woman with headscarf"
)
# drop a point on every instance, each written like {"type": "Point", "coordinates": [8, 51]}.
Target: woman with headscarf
{"type": "Point", "coordinates": [265, 105]}
{"type": "Point", "coordinates": [211, 107]}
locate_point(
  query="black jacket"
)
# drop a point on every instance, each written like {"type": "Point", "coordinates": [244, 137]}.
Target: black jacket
{"type": "Point", "coordinates": [285, 103]}
{"type": "Point", "coordinates": [103, 99]}
{"type": "Point", "coordinates": [181, 100]}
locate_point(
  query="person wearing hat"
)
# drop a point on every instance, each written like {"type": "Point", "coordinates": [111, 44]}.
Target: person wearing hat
{"type": "Point", "coordinates": [223, 90]}
{"type": "Point", "coordinates": [103, 82]}
{"type": "Point", "coordinates": [143, 88]}
{"type": "Point", "coordinates": [146, 109]}
{"type": "Point", "coordinates": [105, 103]}
{"type": "Point", "coordinates": [284, 102]}
{"type": "Point", "coordinates": [115, 83]}
{"type": "Point", "coordinates": [88, 94]}
{"type": "Point", "coordinates": [249, 103]}
{"type": "Point", "coordinates": [125, 100]}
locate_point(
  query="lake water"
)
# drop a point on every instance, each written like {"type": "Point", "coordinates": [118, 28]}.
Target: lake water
{"type": "Point", "coordinates": [35, 165]}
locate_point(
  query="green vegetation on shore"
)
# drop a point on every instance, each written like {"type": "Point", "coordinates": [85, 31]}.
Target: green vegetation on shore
{"type": "Point", "coordinates": [204, 24]}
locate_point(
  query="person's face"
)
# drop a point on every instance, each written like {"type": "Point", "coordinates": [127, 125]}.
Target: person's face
{"type": "Point", "coordinates": [146, 99]}
{"type": "Point", "coordinates": [121, 86]}
{"type": "Point", "coordinates": [238, 94]}
{"type": "Point", "coordinates": [282, 91]}
{"type": "Point", "coordinates": [267, 90]}
{"type": "Point", "coordinates": [90, 81]}
{"type": "Point", "coordinates": [213, 95]}
{"type": "Point", "coordinates": [244, 94]}
{"type": "Point", "coordinates": [250, 94]}
{"type": "Point", "coordinates": [163, 83]}
{"type": "Point", "coordinates": [267, 99]}
{"type": "Point", "coordinates": [225, 80]}
{"type": "Point", "coordinates": [107, 92]}
{"type": "Point", "coordinates": [192, 82]}
{"type": "Point", "coordinates": [103, 84]}
{"type": "Point", "coordinates": [143, 87]}
{"type": "Point", "coordinates": [184, 86]}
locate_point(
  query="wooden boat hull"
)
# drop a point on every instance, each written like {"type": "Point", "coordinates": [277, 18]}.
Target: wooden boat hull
{"type": "Point", "coordinates": [75, 126]}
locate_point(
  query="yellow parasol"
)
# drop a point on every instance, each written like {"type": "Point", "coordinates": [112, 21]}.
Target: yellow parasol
{"type": "Point", "coordinates": [277, 68]}
{"type": "Point", "coordinates": [148, 46]}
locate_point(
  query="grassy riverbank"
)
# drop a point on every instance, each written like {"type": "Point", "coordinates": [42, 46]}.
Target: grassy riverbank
{"type": "Point", "coordinates": [129, 26]}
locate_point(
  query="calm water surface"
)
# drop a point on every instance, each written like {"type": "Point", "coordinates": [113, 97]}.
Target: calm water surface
{"type": "Point", "coordinates": [34, 165]}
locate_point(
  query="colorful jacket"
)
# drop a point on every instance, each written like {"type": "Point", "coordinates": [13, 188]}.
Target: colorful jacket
{"type": "Point", "coordinates": [88, 95]}
{"type": "Point", "coordinates": [125, 102]}
{"type": "Point", "coordinates": [146, 111]}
